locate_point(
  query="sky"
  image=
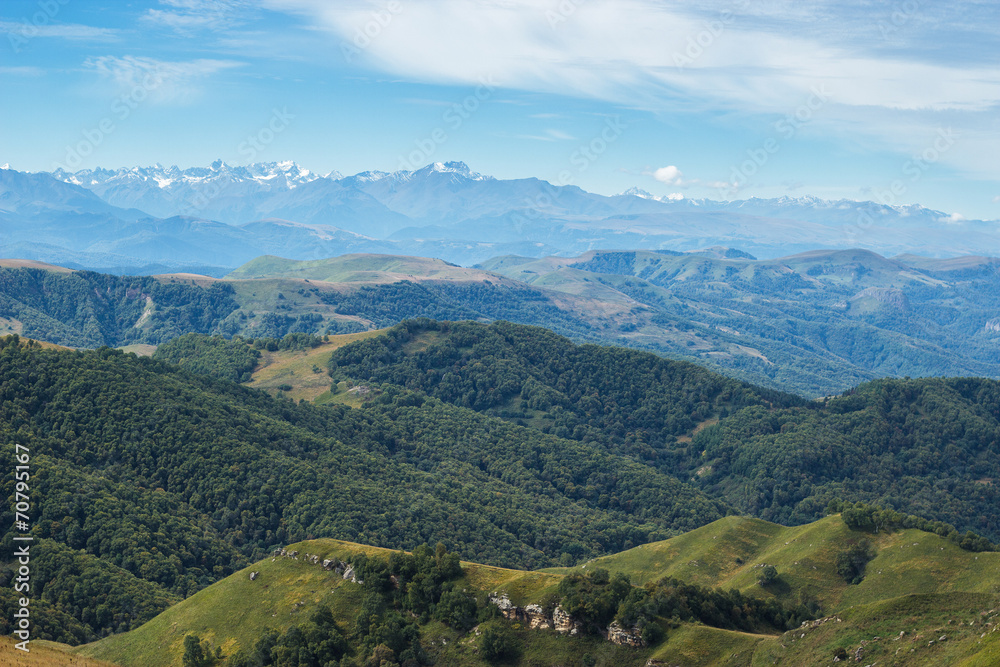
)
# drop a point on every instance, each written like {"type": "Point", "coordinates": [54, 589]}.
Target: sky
{"type": "Point", "coordinates": [896, 102]}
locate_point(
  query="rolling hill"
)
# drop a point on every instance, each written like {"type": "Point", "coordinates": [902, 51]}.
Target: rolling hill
{"type": "Point", "coordinates": [158, 482]}
{"type": "Point", "coordinates": [925, 446]}
{"type": "Point", "coordinates": [816, 323]}
{"type": "Point", "coordinates": [516, 448]}
{"type": "Point", "coordinates": [918, 589]}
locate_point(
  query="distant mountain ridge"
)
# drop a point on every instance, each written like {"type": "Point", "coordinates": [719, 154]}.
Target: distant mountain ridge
{"type": "Point", "coordinates": [215, 218]}
{"type": "Point", "coordinates": [816, 323]}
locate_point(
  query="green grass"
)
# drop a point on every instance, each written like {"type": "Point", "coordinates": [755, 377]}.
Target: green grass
{"type": "Point", "coordinates": [918, 583]}
{"type": "Point", "coordinates": [729, 552]}
{"type": "Point", "coordinates": [961, 618]}
{"type": "Point", "coordinates": [368, 268]}
{"type": "Point", "coordinates": [702, 646]}
{"type": "Point", "coordinates": [233, 612]}
{"type": "Point", "coordinates": [297, 368]}
{"type": "Point", "coordinates": [43, 654]}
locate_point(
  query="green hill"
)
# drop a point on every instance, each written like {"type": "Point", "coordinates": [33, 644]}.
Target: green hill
{"type": "Point", "coordinates": [512, 446]}
{"type": "Point", "coordinates": [929, 447]}
{"type": "Point", "coordinates": [364, 268]}
{"type": "Point", "coordinates": [172, 480]}
{"type": "Point", "coordinates": [815, 323]}
{"type": "Point", "coordinates": [919, 585]}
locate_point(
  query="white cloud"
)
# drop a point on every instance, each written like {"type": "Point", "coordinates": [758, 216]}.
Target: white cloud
{"type": "Point", "coordinates": [625, 49]}
{"type": "Point", "coordinates": [550, 135]}
{"type": "Point", "coordinates": [639, 53]}
{"type": "Point", "coordinates": [71, 31]}
{"type": "Point", "coordinates": [190, 15]}
{"type": "Point", "coordinates": [670, 175]}
{"type": "Point", "coordinates": [953, 219]}
{"type": "Point", "coordinates": [996, 200]}
{"type": "Point", "coordinates": [675, 196]}
{"type": "Point", "coordinates": [161, 82]}
{"type": "Point", "coordinates": [22, 71]}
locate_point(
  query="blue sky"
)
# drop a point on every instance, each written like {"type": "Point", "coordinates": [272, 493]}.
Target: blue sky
{"type": "Point", "coordinates": [896, 102]}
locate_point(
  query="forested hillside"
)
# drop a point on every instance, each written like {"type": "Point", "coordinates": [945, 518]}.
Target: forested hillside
{"type": "Point", "coordinates": [814, 324]}
{"type": "Point", "coordinates": [87, 309]}
{"type": "Point", "coordinates": [172, 480]}
{"type": "Point", "coordinates": [930, 446]}
{"type": "Point", "coordinates": [633, 402]}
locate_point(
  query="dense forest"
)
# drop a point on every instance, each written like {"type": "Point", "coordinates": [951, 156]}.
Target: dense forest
{"type": "Point", "coordinates": [813, 325]}
{"type": "Point", "coordinates": [177, 479]}
{"type": "Point", "coordinates": [929, 447]}
{"type": "Point", "coordinates": [506, 443]}
{"type": "Point", "coordinates": [628, 401]}
{"type": "Point", "coordinates": [88, 309]}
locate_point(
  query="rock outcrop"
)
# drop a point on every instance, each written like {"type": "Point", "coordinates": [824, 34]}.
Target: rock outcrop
{"type": "Point", "coordinates": [346, 570]}
{"type": "Point", "coordinates": [616, 634]}
{"type": "Point", "coordinates": [565, 623]}
{"type": "Point", "coordinates": [534, 616]}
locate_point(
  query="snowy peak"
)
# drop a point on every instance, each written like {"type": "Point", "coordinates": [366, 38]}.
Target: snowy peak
{"type": "Point", "coordinates": [459, 168]}
{"type": "Point", "coordinates": [642, 194]}
{"type": "Point", "coordinates": [636, 192]}
{"type": "Point", "coordinates": [287, 174]}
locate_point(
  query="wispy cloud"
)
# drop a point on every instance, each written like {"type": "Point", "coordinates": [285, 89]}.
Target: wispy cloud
{"type": "Point", "coordinates": [70, 31]}
{"type": "Point", "coordinates": [764, 59]}
{"type": "Point", "coordinates": [163, 82]}
{"type": "Point", "coordinates": [550, 134]}
{"type": "Point", "coordinates": [193, 15]}
{"type": "Point", "coordinates": [22, 71]}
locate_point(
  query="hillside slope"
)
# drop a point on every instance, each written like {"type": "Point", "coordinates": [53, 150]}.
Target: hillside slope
{"type": "Point", "coordinates": [888, 618]}
{"type": "Point", "coordinates": [172, 480]}
{"type": "Point", "coordinates": [816, 323]}
{"type": "Point", "coordinates": [928, 447]}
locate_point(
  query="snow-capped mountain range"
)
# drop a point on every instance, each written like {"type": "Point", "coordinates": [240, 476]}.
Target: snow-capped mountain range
{"type": "Point", "coordinates": [222, 215]}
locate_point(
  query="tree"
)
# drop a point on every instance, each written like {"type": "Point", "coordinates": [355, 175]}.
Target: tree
{"type": "Point", "coordinates": [498, 642]}
{"type": "Point", "coordinates": [196, 652]}
{"type": "Point", "coordinates": [851, 562]}
{"type": "Point", "coordinates": [768, 575]}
